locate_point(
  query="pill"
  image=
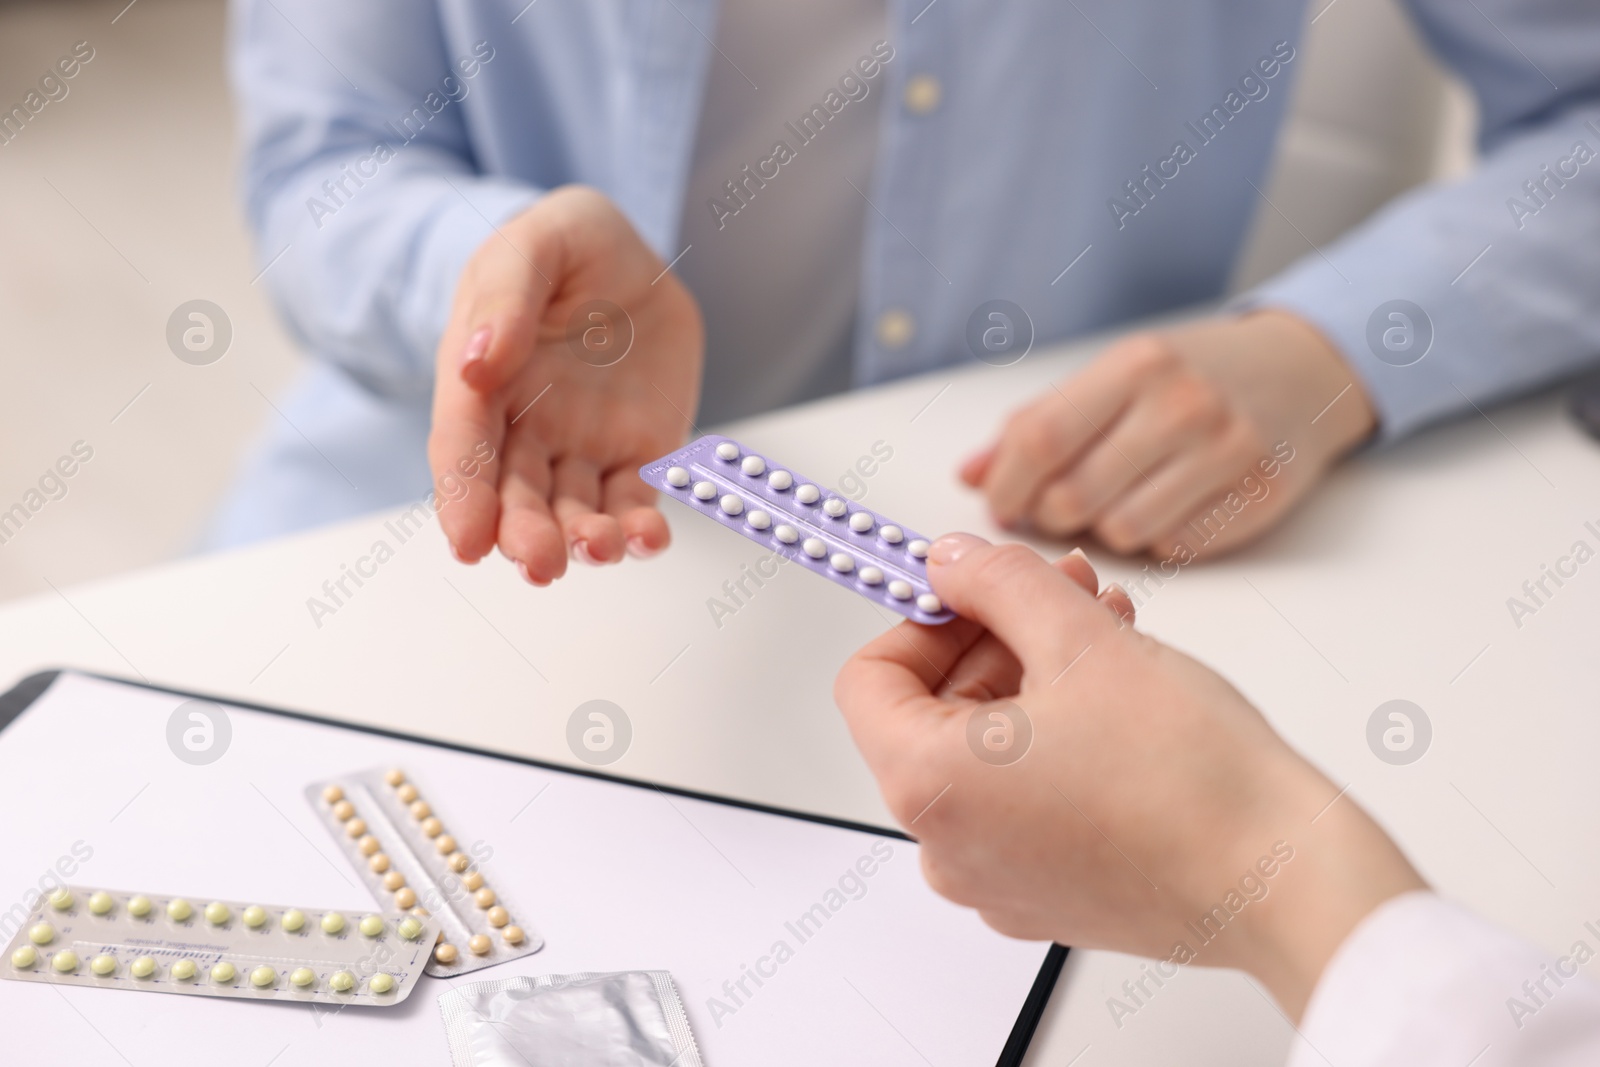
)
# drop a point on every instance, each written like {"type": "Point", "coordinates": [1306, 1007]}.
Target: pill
{"type": "Point", "coordinates": [394, 776]}
{"type": "Point", "coordinates": [367, 845]}
{"type": "Point", "coordinates": [344, 810]}
{"type": "Point", "coordinates": [410, 928]}
{"type": "Point", "coordinates": [179, 910]}
{"type": "Point", "coordinates": [25, 957]}
{"type": "Point", "coordinates": [479, 944]}
{"type": "Point", "coordinates": [217, 913]}
{"type": "Point", "coordinates": [731, 505]}
{"type": "Point", "coordinates": [835, 508]}
{"type": "Point", "coordinates": [892, 534]}
{"type": "Point", "coordinates": [457, 861]}
{"type": "Point", "coordinates": [808, 494]}
{"type": "Point", "coordinates": [787, 534]}
{"type": "Point", "coordinates": [255, 916]}
{"type": "Point", "coordinates": [103, 965]}
{"type": "Point", "coordinates": [758, 519]}
{"type": "Point", "coordinates": [432, 827]}
{"type": "Point", "coordinates": [183, 970]}
{"type": "Point", "coordinates": [407, 793]}
{"type": "Point", "coordinates": [420, 809]}
{"type": "Point", "coordinates": [445, 844]}
{"type": "Point", "coordinates": [381, 983]}
{"type": "Point", "coordinates": [445, 953]}
{"type": "Point", "coordinates": [41, 933]}
{"type": "Point", "coordinates": [143, 967]}
{"type": "Point", "coordinates": [753, 466]}
{"type": "Point", "coordinates": [355, 827]}
{"type": "Point", "coordinates": [930, 603]}
{"type": "Point", "coordinates": [420, 912]}
{"type": "Point", "coordinates": [900, 589]}
{"type": "Point", "coordinates": [65, 961]}
{"type": "Point", "coordinates": [872, 575]}
{"type": "Point", "coordinates": [842, 562]}
{"type": "Point", "coordinates": [704, 491]}
{"type": "Point", "coordinates": [139, 906]}
{"type": "Point", "coordinates": [484, 897]}
{"type": "Point", "coordinates": [472, 879]}
{"type": "Point", "coordinates": [293, 920]}
{"type": "Point", "coordinates": [332, 794]}
{"type": "Point", "coordinates": [379, 863]}
{"type": "Point", "coordinates": [62, 899]}
{"type": "Point", "coordinates": [498, 916]}
{"type": "Point", "coordinates": [405, 898]}
{"type": "Point", "coordinates": [815, 548]}
{"type": "Point", "coordinates": [513, 935]}
{"type": "Point", "coordinates": [780, 480]}
{"type": "Point", "coordinates": [727, 451]}
{"type": "Point", "coordinates": [918, 548]}
{"type": "Point", "coordinates": [224, 973]}
{"type": "Point", "coordinates": [372, 925]}
{"type": "Point", "coordinates": [861, 522]}
{"type": "Point", "coordinates": [677, 477]}
{"type": "Point", "coordinates": [100, 903]}
{"type": "Point", "coordinates": [332, 922]}
{"type": "Point", "coordinates": [393, 879]}
{"type": "Point", "coordinates": [342, 982]}
{"type": "Point", "coordinates": [302, 977]}
{"type": "Point", "coordinates": [263, 976]}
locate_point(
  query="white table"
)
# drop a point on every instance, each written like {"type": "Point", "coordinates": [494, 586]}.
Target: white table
{"type": "Point", "coordinates": [1392, 583]}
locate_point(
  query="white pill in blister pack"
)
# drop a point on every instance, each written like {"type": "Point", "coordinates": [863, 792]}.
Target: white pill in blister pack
{"type": "Point", "coordinates": [827, 534]}
{"type": "Point", "coordinates": [427, 869]}
{"type": "Point", "coordinates": [164, 944]}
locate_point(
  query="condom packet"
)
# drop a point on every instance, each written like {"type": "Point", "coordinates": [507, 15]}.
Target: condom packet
{"type": "Point", "coordinates": [621, 1018]}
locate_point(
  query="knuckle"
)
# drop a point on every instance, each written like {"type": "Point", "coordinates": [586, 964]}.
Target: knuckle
{"type": "Point", "coordinates": [1194, 403]}
{"type": "Point", "coordinates": [1148, 355]}
{"type": "Point", "coordinates": [1062, 507]}
{"type": "Point", "coordinates": [1121, 534]}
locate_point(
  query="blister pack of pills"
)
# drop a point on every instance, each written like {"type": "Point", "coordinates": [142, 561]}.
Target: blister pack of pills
{"type": "Point", "coordinates": [407, 853]}
{"type": "Point", "coordinates": [798, 519]}
{"type": "Point", "coordinates": [224, 948]}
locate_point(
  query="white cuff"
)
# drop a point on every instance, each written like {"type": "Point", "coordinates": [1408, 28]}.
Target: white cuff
{"type": "Point", "coordinates": [1421, 982]}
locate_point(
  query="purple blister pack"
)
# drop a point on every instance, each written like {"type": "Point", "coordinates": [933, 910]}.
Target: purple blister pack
{"type": "Point", "coordinates": [800, 520]}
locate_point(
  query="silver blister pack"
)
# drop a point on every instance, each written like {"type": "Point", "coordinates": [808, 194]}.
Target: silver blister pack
{"type": "Point", "coordinates": [158, 943]}
{"type": "Point", "coordinates": [409, 854]}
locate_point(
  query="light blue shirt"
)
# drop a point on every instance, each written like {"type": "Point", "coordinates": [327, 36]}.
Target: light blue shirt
{"type": "Point", "coordinates": [1125, 138]}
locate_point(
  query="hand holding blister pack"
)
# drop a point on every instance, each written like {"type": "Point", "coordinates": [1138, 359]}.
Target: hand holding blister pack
{"type": "Point", "coordinates": [625, 1017]}
{"type": "Point", "coordinates": [772, 506]}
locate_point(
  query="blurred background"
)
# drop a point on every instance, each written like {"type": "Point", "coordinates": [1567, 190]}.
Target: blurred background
{"type": "Point", "coordinates": [119, 205]}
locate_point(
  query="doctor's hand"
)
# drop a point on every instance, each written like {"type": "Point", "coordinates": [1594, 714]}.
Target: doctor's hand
{"type": "Point", "coordinates": [1181, 443]}
{"type": "Point", "coordinates": [1074, 780]}
{"type": "Point", "coordinates": [571, 359]}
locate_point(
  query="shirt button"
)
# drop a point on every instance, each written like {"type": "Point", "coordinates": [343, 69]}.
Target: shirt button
{"type": "Point", "coordinates": [895, 328]}
{"type": "Point", "coordinates": [922, 93]}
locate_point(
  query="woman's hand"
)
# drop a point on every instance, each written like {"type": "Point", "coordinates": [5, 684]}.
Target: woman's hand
{"type": "Point", "coordinates": [1145, 445]}
{"type": "Point", "coordinates": [1075, 780]}
{"type": "Point", "coordinates": [572, 358]}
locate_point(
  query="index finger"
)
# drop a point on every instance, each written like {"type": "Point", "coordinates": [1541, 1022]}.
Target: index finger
{"type": "Point", "coordinates": [1054, 431]}
{"type": "Point", "coordinates": [887, 688]}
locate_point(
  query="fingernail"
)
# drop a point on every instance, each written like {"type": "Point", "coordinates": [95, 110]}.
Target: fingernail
{"type": "Point", "coordinates": [580, 552]}
{"type": "Point", "coordinates": [638, 549]}
{"type": "Point", "coordinates": [527, 575]}
{"type": "Point", "coordinates": [477, 347]}
{"type": "Point", "coordinates": [456, 552]}
{"type": "Point", "coordinates": [951, 547]}
{"type": "Point", "coordinates": [1079, 553]}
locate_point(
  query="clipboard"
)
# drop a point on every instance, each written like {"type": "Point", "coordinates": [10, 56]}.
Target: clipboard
{"type": "Point", "coordinates": [878, 982]}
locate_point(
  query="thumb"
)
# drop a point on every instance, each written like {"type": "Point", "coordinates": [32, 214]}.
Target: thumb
{"type": "Point", "coordinates": [1042, 615]}
{"type": "Point", "coordinates": [499, 306]}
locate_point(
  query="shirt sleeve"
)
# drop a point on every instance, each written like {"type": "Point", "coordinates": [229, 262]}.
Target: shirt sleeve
{"type": "Point", "coordinates": [1423, 983]}
{"type": "Point", "coordinates": [359, 179]}
{"type": "Point", "coordinates": [1495, 271]}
